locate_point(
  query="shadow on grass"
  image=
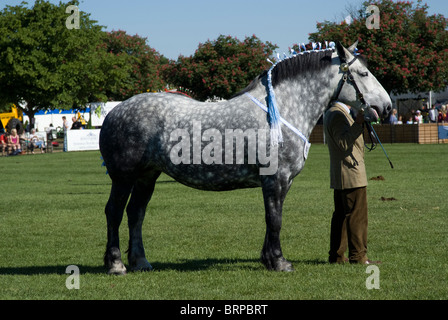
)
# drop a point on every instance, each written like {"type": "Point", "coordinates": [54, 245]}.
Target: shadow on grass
{"type": "Point", "coordinates": [49, 270]}
{"type": "Point", "coordinates": [181, 266]}
{"type": "Point", "coordinates": [224, 264]}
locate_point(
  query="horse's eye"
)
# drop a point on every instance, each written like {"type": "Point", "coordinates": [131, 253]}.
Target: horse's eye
{"type": "Point", "coordinates": [364, 74]}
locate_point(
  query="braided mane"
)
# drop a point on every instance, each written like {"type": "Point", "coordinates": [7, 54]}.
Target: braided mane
{"type": "Point", "coordinates": [301, 63]}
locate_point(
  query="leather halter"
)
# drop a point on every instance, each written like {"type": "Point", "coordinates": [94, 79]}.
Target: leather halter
{"type": "Point", "coordinates": [347, 75]}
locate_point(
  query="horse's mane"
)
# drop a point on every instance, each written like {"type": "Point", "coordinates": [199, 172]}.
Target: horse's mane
{"type": "Point", "coordinates": [302, 63]}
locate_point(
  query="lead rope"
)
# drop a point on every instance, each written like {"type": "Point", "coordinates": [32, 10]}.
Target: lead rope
{"type": "Point", "coordinates": [372, 135]}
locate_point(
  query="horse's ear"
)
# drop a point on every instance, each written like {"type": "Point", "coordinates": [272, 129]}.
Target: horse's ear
{"type": "Point", "coordinates": [353, 47]}
{"type": "Point", "coordinates": [341, 51]}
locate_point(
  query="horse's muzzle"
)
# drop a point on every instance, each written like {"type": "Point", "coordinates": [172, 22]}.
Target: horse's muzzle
{"type": "Point", "coordinates": [386, 110]}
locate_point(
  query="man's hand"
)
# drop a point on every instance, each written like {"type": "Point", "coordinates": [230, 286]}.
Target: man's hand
{"type": "Point", "coordinates": [360, 117]}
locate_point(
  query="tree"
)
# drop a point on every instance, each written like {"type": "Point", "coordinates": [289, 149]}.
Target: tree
{"type": "Point", "coordinates": [220, 68]}
{"type": "Point", "coordinates": [44, 64]}
{"type": "Point", "coordinates": [409, 51]}
{"type": "Point", "coordinates": [145, 65]}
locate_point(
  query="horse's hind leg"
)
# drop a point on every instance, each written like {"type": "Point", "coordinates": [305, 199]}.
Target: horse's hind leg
{"type": "Point", "coordinates": [141, 194]}
{"type": "Point", "coordinates": [114, 213]}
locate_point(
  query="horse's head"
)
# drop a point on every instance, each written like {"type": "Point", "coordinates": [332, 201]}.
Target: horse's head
{"type": "Point", "coordinates": [361, 90]}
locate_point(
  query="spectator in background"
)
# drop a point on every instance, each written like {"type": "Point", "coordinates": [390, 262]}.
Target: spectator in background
{"type": "Point", "coordinates": [14, 142]}
{"type": "Point", "coordinates": [433, 115]}
{"type": "Point", "coordinates": [3, 142]}
{"type": "Point", "coordinates": [35, 142]}
{"type": "Point", "coordinates": [400, 119]}
{"type": "Point", "coordinates": [418, 117]}
{"type": "Point", "coordinates": [76, 124]}
{"type": "Point", "coordinates": [51, 127]}
{"type": "Point", "coordinates": [393, 117]}
{"type": "Point", "coordinates": [66, 127]}
{"type": "Point", "coordinates": [442, 117]}
{"type": "Point", "coordinates": [425, 114]}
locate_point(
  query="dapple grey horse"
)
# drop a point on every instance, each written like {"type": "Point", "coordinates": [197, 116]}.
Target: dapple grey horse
{"type": "Point", "coordinates": [153, 133]}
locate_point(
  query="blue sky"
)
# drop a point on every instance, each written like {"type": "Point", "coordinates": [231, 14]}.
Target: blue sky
{"type": "Point", "coordinates": [177, 27]}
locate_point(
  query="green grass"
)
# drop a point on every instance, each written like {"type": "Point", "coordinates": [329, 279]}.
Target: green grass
{"type": "Point", "coordinates": [206, 245]}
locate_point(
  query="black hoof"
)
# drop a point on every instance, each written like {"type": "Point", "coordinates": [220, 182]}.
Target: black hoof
{"type": "Point", "coordinates": [140, 263]}
{"type": "Point", "coordinates": [113, 263]}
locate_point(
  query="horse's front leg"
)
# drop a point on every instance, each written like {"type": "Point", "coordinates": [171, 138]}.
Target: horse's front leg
{"type": "Point", "coordinates": [274, 193]}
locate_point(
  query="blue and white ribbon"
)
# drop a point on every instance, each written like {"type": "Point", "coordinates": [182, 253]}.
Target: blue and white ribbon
{"type": "Point", "coordinates": [272, 110]}
{"type": "Point", "coordinates": [274, 116]}
{"type": "Point", "coordinates": [286, 123]}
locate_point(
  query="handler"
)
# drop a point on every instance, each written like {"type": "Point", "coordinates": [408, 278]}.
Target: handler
{"type": "Point", "coordinates": [348, 179]}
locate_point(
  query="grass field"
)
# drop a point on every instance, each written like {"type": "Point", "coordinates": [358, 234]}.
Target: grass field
{"type": "Point", "coordinates": [206, 245]}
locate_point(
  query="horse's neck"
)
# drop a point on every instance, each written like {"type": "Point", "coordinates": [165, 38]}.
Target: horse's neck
{"type": "Point", "coordinates": [303, 100]}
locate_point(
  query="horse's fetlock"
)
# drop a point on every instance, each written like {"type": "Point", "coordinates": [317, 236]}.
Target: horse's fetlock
{"type": "Point", "coordinates": [276, 263]}
{"type": "Point", "coordinates": [113, 262]}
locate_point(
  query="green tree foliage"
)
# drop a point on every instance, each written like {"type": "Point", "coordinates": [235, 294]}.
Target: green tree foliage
{"type": "Point", "coordinates": [220, 68]}
{"type": "Point", "coordinates": [409, 51]}
{"type": "Point", "coordinates": [145, 65]}
{"type": "Point", "coordinates": [44, 64]}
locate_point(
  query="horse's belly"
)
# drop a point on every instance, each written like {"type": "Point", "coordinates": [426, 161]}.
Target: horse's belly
{"type": "Point", "coordinates": [215, 177]}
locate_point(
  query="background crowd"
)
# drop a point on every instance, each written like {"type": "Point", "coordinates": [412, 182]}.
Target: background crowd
{"type": "Point", "coordinates": [425, 115]}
